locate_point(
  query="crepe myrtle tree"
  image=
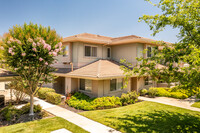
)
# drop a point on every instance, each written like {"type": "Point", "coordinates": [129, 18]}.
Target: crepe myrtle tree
{"type": "Point", "coordinates": [184, 15]}
{"type": "Point", "coordinates": [29, 51]}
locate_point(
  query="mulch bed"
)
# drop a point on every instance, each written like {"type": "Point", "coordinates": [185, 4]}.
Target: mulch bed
{"type": "Point", "coordinates": [26, 118]}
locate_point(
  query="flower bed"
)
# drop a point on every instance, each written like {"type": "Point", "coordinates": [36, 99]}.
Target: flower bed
{"type": "Point", "coordinates": [84, 102]}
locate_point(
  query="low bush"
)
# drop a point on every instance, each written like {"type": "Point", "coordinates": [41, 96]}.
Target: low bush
{"type": "Point", "coordinates": [53, 97]}
{"type": "Point", "coordinates": [84, 102]}
{"type": "Point", "coordinates": [42, 92]}
{"type": "Point", "coordinates": [163, 92]}
{"type": "Point", "coordinates": [11, 113]}
{"type": "Point", "coordinates": [168, 92]}
{"type": "Point", "coordinates": [152, 92]}
{"type": "Point", "coordinates": [143, 92]}
{"type": "Point", "coordinates": [129, 98]}
{"type": "Point", "coordinates": [26, 108]}
{"type": "Point", "coordinates": [178, 95]}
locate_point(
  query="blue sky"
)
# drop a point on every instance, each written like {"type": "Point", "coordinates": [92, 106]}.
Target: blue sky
{"type": "Point", "coordinates": [69, 17]}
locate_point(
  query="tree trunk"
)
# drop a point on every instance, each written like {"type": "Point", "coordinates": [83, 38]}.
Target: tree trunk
{"type": "Point", "coordinates": [31, 106]}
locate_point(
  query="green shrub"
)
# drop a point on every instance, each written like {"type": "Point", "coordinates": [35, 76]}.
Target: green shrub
{"type": "Point", "coordinates": [152, 92]}
{"type": "Point", "coordinates": [10, 113]}
{"type": "Point", "coordinates": [84, 102]}
{"type": "Point", "coordinates": [53, 97]}
{"type": "Point", "coordinates": [129, 98]}
{"type": "Point", "coordinates": [26, 108]}
{"type": "Point", "coordinates": [106, 102]}
{"type": "Point", "coordinates": [162, 92]}
{"type": "Point", "coordinates": [42, 92]}
{"type": "Point", "coordinates": [143, 92]}
{"type": "Point", "coordinates": [178, 95]}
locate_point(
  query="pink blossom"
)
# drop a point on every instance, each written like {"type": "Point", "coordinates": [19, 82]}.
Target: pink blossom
{"type": "Point", "coordinates": [38, 43]}
{"type": "Point", "coordinates": [60, 44]}
{"type": "Point", "coordinates": [2, 48]}
{"type": "Point", "coordinates": [40, 59]}
{"type": "Point", "coordinates": [56, 46]}
{"type": "Point", "coordinates": [18, 41]}
{"type": "Point", "coordinates": [34, 44]}
{"type": "Point", "coordinates": [45, 45]}
{"type": "Point", "coordinates": [46, 63]}
{"type": "Point", "coordinates": [30, 40]}
{"type": "Point", "coordinates": [12, 53]}
{"type": "Point", "coordinates": [34, 55]}
{"type": "Point", "coordinates": [8, 42]}
{"type": "Point", "coordinates": [10, 50]}
{"type": "Point", "coordinates": [34, 49]}
{"type": "Point", "coordinates": [13, 46]}
{"type": "Point", "coordinates": [23, 54]}
{"type": "Point", "coordinates": [15, 69]}
{"type": "Point", "coordinates": [43, 42]}
{"type": "Point", "coordinates": [11, 39]}
{"type": "Point", "coordinates": [49, 47]}
{"type": "Point", "coordinates": [57, 50]}
{"type": "Point", "coordinates": [54, 53]}
{"type": "Point", "coordinates": [50, 53]}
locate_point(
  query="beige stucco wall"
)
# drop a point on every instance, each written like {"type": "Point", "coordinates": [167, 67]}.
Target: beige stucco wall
{"type": "Point", "coordinates": [127, 51]}
{"type": "Point", "coordinates": [78, 53]}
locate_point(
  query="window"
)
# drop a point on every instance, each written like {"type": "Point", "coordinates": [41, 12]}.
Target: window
{"type": "Point", "coordinates": [86, 84]}
{"type": "Point", "coordinates": [108, 52]}
{"type": "Point", "coordinates": [65, 51]}
{"type": "Point", "coordinates": [148, 81]}
{"type": "Point", "coordinates": [116, 84]}
{"type": "Point", "coordinates": [148, 51]}
{"type": "Point", "coordinates": [91, 51]}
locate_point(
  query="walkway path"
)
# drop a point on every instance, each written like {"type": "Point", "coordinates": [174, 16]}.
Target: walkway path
{"type": "Point", "coordinates": [81, 121]}
{"type": "Point", "coordinates": [186, 103]}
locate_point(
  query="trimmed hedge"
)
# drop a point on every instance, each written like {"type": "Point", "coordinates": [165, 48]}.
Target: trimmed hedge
{"type": "Point", "coordinates": [42, 92]}
{"type": "Point", "coordinates": [167, 92]}
{"type": "Point", "coordinates": [53, 97]}
{"type": "Point", "coordinates": [84, 102]}
{"type": "Point", "coordinates": [129, 98]}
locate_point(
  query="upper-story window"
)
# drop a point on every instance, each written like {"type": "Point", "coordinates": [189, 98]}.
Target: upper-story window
{"type": "Point", "coordinates": [65, 51]}
{"type": "Point", "coordinates": [108, 52]}
{"type": "Point", "coordinates": [91, 51]}
{"type": "Point", "coordinates": [149, 50]}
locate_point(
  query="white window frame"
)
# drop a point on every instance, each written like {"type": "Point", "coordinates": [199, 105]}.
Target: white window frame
{"type": "Point", "coordinates": [90, 51]}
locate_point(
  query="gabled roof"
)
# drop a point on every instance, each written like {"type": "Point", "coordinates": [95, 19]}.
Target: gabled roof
{"type": "Point", "coordinates": [98, 39]}
{"type": "Point", "coordinates": [101, 69]}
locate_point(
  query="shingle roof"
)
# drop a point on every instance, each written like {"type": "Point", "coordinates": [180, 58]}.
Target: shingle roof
{"type": "Point", "coordinates": [92, 38]}
{"type": "Point", "coordinates": [6, 73]}
{"type": "Point", "coordinates": [100, 69]}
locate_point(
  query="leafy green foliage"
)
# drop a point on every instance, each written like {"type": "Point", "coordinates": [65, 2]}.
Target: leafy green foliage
{"type": "Point", "coordinates": [53, 97]}
{"type": "Point", "coordinates": [167, 92]}
{"type": "Point", "coordinates": [143, 92]}
{"type": "Point", "coordinates": [183, 15]}
{"type": "Point", "coordinates": [42, 92]}
{"type": "Point", "coordinates": [25, 109]}
{"type": "Point", "coordinates": [11, 113]}
{"type": "Point", "coordinates": [196, 104]}
{"type": "Point", "coordinates": [129, 98]}
{"type": "Point", "coordinates": [84, 102]}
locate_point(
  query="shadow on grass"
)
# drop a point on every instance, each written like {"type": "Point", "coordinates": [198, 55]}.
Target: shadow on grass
{"type": "Point", "coordinates": [158, 121]}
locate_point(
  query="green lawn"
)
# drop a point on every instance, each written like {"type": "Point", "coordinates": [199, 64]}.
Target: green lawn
{"type": "Point", "coordinates": [42, 126]}
{"type": "Point", "coordinates": [148, 117]}
{"type": "Point", "coordinates": [196, 104]}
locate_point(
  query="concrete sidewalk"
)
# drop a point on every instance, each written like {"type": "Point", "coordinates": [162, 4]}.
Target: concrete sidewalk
{"type": "Point", "coordinates": [81, 121]}
{"type": "Point", "coordinates": [182, 103]}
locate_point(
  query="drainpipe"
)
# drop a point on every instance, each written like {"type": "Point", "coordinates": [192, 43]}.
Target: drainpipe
{"type": "Point", "coordinates": [72, 67]}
